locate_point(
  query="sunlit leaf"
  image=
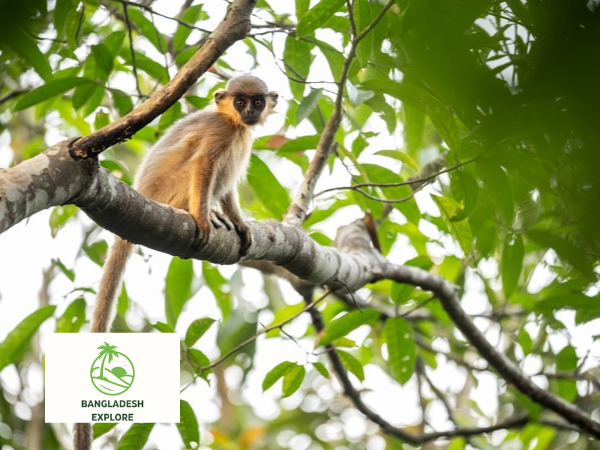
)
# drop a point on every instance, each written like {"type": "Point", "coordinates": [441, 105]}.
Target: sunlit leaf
{"type": "Point", "coordinates": [341, 326]}
{"type": "Point", "coordinates": [401, 348]}
{"type": "Point", "coordinates": [292, 380]}
{"type": "Point", "coordinates": [50, 89]}
{"type": "Point", "coordinates": [136, 437]}
{"type": "Point", "coordinates": [512, 263]}
{"type": "Point", "coordinates": [178, 287]}
{"type": "Point", "coordinates": [188, 425]}
{"type": "Point", "coordinates": [197, 329]}
{"type": "Point", "coordinates": [98, 429]}
{"type": "Point", "coordinates": [322, 369]}
{"type": "Point", "coordinates": [276, 373]}
{"type": "Point", "coordinates": [317, 16]}
{"type": "Point", "coordinates": [352, 364]}
{"type": "Point", "coordinates": [17, 341]}
{"type": "Point", "coordinates": [73, 317]}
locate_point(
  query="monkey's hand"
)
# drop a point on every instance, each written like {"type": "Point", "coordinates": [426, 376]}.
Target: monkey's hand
{"type": "Point", "coordinates": [243, 231]}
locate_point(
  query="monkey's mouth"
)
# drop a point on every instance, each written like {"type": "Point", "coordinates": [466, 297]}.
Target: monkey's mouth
{"type": "Point", "coordinates": [250, 120]}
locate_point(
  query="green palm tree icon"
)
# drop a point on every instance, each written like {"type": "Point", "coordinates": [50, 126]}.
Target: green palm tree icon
{"type": "Point", "coordinates": [106, 350]}
{"type": "Point", "coordinates": [112, 372]}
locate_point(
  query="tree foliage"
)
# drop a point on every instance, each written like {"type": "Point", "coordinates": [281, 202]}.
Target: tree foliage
{"type": "Point", "coordinates": [469, 136]}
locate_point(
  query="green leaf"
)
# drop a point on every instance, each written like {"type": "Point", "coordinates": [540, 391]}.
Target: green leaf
{"type": "Point", "coordinates": [525, 341]}
{"type": "Point", "coordinates": [123, 302]}
{"type": "Point", "coordinates": [566, 362]}
{"type": "Point", "coordinates": [459, 229]}
{"type": "Point", "coordinates": [363, 16]}
{"type": "Point", "coordinates": [67, 272]}
{"type": "Point", "coordinates": [148, 30]}
{"type": "Point", "coordinates": [297, 58]}
{"type": "Point", "coordinates": [17, 340]}
{"type": "Point", "coordinates": [276, 373]}
{"type": "Point", "coordinates": [178, 287]}
{"type": "Point", "coordinates": [104, 60]}
{"type": "Point", "coordinates": [340, 327]}
{"type": "Point", "coordinates": [163, 327]}
{"type": "Point", "coordinates": [122, 101]}
{"type": "Point", "coordinates": [575, 301]}
{"type": "Point", "coordinates": [136, 437]}
{"type": "Point", "coordinates": [414, 124]}
{"type": "Point", "coordinates": [73, 317]}
{"type": "Point", "coordinates": [352, 364]}
{"type": "Point", "coordinates": [334, 57]}
{"type": "Point", "coordinates": [50, 89]}
{"type": "Point", "coordinates": [98, 429]}
{"type": "Point", "coordinates": [317, 16]}
{"type": "Point", "coordinates": [512, 263]}
{"type": "Point", "coordinates": [96, 251]}
{"type": "Point", "coordinates": [465, 190]}
{"type": "Point", "coordinates": [169, 117]}
{"type": "Point", "coordinates": [273, 196]}
{"type": "Point", "coordinates": [60, 216]}
{"type": "Point", "coordinates": [218, 286]}
{"type": "Point", "coordinates": [61, 11]}
{"type": "Point", "coordinates": [322, 369]}
{"type": "Point", "coordinates": [197, 360]}
{"type": "Point", "coordinates": [300, 144]}
{"type": "Point", "coordinates": [498, 188]}
{"type": "Point", "coordinates": [26, 47]}
{"type": "Point", "coordinates": [188, 426]}
{"type": "Point", "coordinates": [197, 329]}
{"type": "Point", "coordinates": [101, 120]}
{"type": "Point", "coordinates": [82, 94]}
{"type": "Point", "coordinates": [308, 104]}
{"type": "Point", "coordinates": [400, 156]}
{"type": "Point", "coordinates": [401, 348]}
{"type": "Point", "coordinates": [182, 32]}
{"type": "Point", "coordinates": [401, 293]}
{"type": "Point", "coordinates": [292, 380]}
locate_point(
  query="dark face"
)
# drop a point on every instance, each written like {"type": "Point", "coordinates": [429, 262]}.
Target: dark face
{"type": "Point", "coordinates": [249, 107]}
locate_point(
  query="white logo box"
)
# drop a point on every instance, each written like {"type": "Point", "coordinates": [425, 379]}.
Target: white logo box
{"type": "Point", "coordinates": [150, 389]}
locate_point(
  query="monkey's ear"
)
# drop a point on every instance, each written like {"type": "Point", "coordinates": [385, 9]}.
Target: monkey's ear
{"type": "Point", "coordinates": [274, 96]}
{"type": "Point", "coordinates": [220, 95]}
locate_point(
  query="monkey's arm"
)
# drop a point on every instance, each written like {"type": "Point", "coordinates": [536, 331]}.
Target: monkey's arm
{"type": "Point", "coordinates": [230, 207]}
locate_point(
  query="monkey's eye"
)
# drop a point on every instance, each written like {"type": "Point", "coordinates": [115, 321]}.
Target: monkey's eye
{"type": "Point", "coordinates": [240, 102]}
{"type": "Point", "coordinates": [258, 103]}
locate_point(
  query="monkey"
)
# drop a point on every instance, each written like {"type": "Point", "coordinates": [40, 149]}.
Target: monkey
{"type": "Point", "coordinates": [196, 166]}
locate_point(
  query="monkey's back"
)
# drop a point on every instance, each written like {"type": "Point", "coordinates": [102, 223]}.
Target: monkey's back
{"type": "Point", "coordinates": [166, 171]}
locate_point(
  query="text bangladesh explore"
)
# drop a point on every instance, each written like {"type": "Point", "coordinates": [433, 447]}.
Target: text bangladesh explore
{"type": "Point", "coordinates": [112, 404]}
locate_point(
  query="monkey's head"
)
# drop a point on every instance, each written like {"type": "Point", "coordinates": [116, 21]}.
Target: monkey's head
{"type": "Point", "coordinates": [246, 100]}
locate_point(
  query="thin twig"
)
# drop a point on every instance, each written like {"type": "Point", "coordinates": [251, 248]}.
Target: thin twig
{"type": "Point", "coordinates": [153, 12]}
{"type": "Point", "coordinates": [133, 64]}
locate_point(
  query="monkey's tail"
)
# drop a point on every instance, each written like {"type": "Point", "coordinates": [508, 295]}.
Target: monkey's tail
{"type": "Point", "coordinates": [110, 284]}
{"type": "Point", "coordinates": [82, 436]}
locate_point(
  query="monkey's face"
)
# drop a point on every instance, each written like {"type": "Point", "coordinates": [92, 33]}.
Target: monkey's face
{"type": "Point", "coordinates": [249, 108]}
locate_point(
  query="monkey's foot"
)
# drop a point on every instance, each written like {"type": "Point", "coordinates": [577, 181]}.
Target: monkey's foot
{"type": "Point", "coordinates": [218, 220]}
{"type": "Point", "coordinates": [243, 231]}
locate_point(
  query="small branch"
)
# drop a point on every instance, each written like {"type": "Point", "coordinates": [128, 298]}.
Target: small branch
{"type": "Point", "coordinates": [415, 183]}
{"type": "Point", "coordinates": [156, 13]}
{"type": "Point", "coordinates": [355, 397]}
{"type": "Point", "coordinates": [448, 296]}
{"type": "Point", "coordinates": [298, 210]}
{"type": "Point", "coordinates": [251, 339]}
{"type": "Point", "coordinates": [238, 347]}
{"type": "Point", "coordinates": [133, 64]}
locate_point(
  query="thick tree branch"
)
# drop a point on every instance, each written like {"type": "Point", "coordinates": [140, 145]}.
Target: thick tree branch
{"type": "Point", "coordinates": [232, 28]}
